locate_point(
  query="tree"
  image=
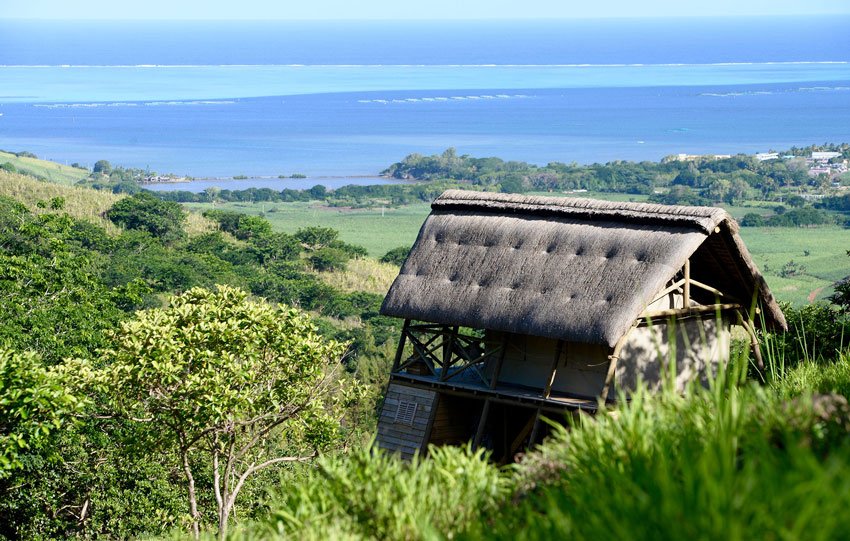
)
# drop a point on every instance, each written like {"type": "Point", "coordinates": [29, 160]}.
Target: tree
{"type": "Point", "coordinates": [162, 219]}
{"type": "Point", "coordinates": [314, 238]}
{"type": "Point", "coordinates": [102, 166]}
{"type": "Point", "coordinates": [237, 383]}
{"type": "Point", "coordinates": [34, 403]}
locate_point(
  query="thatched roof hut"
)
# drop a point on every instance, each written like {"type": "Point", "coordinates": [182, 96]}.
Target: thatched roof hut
{"type": "Point", "coordinates": [573, 269]}
{"type": "Point", "coordinates": [560, 290]}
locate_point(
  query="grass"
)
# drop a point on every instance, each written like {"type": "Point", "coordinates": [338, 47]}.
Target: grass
{"type": "Point", "coordinates": [366, 275]}
{"type": "Point", "coordinates": [80, 203]}
{"type": "Point", "coordinates": [827, 262]}
{"type": "Point", "coordinates": [375, 229]}
{"type": "Point", "coordinates": [51, 171]}
{"type": "Point", "coordinates": [730, 462]}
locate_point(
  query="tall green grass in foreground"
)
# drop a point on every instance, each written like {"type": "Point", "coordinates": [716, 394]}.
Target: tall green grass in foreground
{"type": "Point", "coordinates": [730, 462]}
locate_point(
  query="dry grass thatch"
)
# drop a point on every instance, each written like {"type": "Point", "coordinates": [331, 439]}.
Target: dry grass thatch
{"type": "Point", "coordinates": [574, 269]}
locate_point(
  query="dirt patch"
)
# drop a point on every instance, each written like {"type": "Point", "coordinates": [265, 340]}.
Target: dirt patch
{"type": "Point", "coordinates": [814, 295]}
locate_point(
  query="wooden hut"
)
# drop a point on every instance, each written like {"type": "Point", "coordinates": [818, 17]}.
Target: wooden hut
{"type": "Point", "coordinates": [518, 306]}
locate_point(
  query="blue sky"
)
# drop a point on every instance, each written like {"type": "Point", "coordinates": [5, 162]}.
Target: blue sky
{"type": "Point", "coordinates": [406, 9]}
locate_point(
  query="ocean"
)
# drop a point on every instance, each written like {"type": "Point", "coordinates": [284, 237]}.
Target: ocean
{"type": "Point", "coordinates": [346, 99]}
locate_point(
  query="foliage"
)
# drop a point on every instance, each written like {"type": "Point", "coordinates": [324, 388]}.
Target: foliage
{"type": "Point", "coordinates": [396, 256]}
{"type": "Point", "coordinates": [162, 219]}
{"type": "Point", "coordinates": [34, 404]}
{"type": "Point", "coordinates": [736, 464]}
{"type": "Point", "coordinates": [315, 238]}
{"type": "Point", "coordinates": [102, 166]}
{"type": "Point", "coordinates": [234, 384]}
{"type": "Point", "coordinates": [49, 292]}
{"type": "Point", "coordinates": [371, 495]}
{"type": "Point", "coordinates": [328, 259]}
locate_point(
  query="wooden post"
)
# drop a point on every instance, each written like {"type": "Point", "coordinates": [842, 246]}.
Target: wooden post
{"type": "Point", "coordinates": [498, 368]}
{"type": "Point", "coordinates": [686, 295]}
{"type": "Point", "coordinates": [401, 343]}
{"type": "Point", "coordinates": [548, 388]}
{"type": "Point", "coordinates": [535, 430]}
{"type": "Point", "coordinates": [480, 432]}
{"type": "Point", "coordinates": [448, 345]}
{"type": "Point", "coordinates": [754, 341]}
{"type": "Point", "coordinates": [613, 358]}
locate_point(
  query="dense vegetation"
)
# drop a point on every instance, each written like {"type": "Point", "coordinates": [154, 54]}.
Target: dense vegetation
{"type": "Point", "coordinates": [82, 452]}
{"type": "Point", "coordinates": [164, 374]}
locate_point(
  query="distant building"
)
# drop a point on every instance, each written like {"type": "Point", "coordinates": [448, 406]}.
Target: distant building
{"type": "Point", "coordinates": [825, 155]}
{"type": "Point", "coordinates": [694, 157]}
{"type": "Point", "coordinates": [765, 156]}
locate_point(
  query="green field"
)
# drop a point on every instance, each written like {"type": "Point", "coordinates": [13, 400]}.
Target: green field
{"type": "Point", "coordinates": [381, 230]}
{"type": "Point", "coordinates": [52, 171]}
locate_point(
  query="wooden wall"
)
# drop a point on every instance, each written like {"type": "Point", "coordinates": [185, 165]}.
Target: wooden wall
{"type": "Point", "coordinates": [398, 431]}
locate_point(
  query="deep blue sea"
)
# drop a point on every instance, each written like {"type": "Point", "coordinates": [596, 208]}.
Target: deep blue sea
{"type": "Point", "coordinates": [349, 98]}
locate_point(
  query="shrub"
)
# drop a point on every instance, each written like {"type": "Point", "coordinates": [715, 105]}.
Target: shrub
{"type": "Point", "coordinates": [146, 212]}
{"type": "Point", "coordinates": [396, 256]}
{"type": "Point", "coordinates": [373, 495]}
{"type": "Point", "coordinates": [328, 259]}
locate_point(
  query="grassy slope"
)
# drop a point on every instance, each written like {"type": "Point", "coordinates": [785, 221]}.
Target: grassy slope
{"type": "Point", "coordinates": [52, 171]}
{"type": "Point", "coordinates": [81, 203]}
{"type": "Point", "coordinates": [379, 231]}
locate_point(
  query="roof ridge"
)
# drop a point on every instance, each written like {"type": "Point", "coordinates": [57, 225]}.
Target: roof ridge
{"type": "Point", "coordinates": [704, 218]}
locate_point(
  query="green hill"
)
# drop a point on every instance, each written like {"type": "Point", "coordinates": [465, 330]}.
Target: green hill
{"type": "Point", "coordinates": [51, 171]}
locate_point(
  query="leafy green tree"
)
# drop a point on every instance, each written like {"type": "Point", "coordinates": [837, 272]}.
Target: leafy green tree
{"type": "Point", "coordinates": [328, 259]}
{"type": "Point", "coordinates": [144, 211]}
{"type": "Point", "coordinates": [34, 403]}
{"type": "Point", "coordinates": [102, 166]}
{"type": "Point", "coordinates": [8, 167]}
{"type": "Point", "coordinates": [229, 384]}
{"type": "Point", "coordinates": [314, 238]}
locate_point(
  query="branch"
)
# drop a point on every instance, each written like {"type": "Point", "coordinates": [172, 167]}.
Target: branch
{"type": "Point", "coordinates": [263, 465]}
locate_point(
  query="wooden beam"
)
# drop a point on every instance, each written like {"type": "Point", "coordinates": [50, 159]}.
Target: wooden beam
{"type": "Point", "coordinates": [401, 343]}
{"type": "Point", "coordinates": [692, 310]}
{"type": "Point", "coordinates": [498, 368]}
{"type": "Point", "coordinates": [686, 288]}
{"type": "Point", "coordinates": [426, 439]}
{"type": "Point", "coordinates": [448, 344]}
{"type": "Point", "coordinates": [754, 342]}
{"type": "Point", "coordinates": [547, 390]}
{"type": "Point", "coordinates": [536, 430]}
{"type": "Point", "coordinates": [479, 433]}
{"type": "Point", "coordinates": [711, 289]}
{"type": "Point", "coordinates": [522, 435]}
{"type": "Point", "coordinates": [612, 361]}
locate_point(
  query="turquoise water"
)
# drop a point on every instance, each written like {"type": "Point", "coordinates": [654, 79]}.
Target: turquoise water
{"type": "Point", "coordinates": [334, 99]}
{"type": "Point", "coordinates": [91, 84]}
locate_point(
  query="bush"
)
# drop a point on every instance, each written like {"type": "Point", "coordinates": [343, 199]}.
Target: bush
{"type": "Point", "coordinates": [373, 495]}
{"type": "Point", "coordinates": [146, 212]}
{"type": "Point", "coordinates": [396, 256]}
{"type": "Point", "coordinates": [328, 259]}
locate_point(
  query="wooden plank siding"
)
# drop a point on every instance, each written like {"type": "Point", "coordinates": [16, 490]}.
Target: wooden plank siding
{"type": "Point", "coordinates": [405, 438]}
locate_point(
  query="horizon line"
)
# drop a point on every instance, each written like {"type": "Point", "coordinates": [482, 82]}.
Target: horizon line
{"type": "Point", "coordinates": [541, 18]}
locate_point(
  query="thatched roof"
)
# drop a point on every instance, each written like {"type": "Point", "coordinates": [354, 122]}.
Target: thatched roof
{"type": "Point", "coordinates": [573, 269]}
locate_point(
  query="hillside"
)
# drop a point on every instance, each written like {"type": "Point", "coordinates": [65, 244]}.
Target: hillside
{"type": "Point", "coordinates": [52, 171]}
